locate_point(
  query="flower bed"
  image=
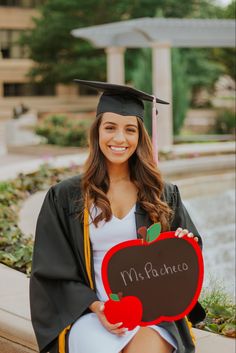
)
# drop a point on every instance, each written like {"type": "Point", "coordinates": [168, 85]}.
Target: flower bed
{"type": "Point", "coordinates": [15, 247]}
{"type": "Point", "coordinates": [64, 131]}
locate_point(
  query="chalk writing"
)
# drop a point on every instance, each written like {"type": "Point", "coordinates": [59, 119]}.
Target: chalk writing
{"type": "Point", "coordinates": [150, 272]}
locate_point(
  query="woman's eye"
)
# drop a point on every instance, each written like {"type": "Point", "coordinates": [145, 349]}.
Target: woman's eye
{"type": "Point", "coordinates": [109, 127]}
{"type": "Point", "coordinates": [131, 130]}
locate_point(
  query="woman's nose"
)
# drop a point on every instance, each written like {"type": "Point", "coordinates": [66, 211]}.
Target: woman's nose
{"type": "Point", "coordinates": [119, 136]}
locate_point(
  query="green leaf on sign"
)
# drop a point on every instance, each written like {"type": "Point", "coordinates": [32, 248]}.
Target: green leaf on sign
{"type": "Point", "coordinates": [114, 297]}
{"type": "Point", "coordinates": [153, 232]}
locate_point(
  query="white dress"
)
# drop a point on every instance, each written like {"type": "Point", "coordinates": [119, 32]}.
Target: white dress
{"type": "Point", "coordinates": [87, 335]}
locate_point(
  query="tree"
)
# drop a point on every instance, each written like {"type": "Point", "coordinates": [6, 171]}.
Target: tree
{"type": "Point", "coordinates": [180, 89]}
{"type": "Point", "coordinates": [58, 55]}
{"type": "Point", "coordinates": [201, 72]}
{"type": "Point", "coordinates": [226, 56]}
{"type": "Point", "coordinates": [142, 79]}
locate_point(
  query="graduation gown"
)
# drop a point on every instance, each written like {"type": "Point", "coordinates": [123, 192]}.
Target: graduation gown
{"type": "Point", "coordinates": [59, 284]}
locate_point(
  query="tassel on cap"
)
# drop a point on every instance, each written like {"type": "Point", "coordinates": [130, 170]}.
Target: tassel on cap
{"type": "Point", "coordinates": [154, 130]}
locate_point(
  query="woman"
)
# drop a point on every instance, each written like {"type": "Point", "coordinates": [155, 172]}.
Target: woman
{"type": "Point", "coordinates": [120, 190]}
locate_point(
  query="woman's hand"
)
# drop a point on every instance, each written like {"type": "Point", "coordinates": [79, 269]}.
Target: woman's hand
{"type": "Point", "coordinates": [181, 232]}
{"type": "Point", "coordinates": [98, 308]}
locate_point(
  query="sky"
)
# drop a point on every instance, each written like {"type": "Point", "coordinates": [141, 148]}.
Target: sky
{"type": "Point", "coordinates": [223, 2]}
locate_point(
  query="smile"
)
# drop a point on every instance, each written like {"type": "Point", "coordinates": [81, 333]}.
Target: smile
{"type": "Point", "coordinates": [118, 149]}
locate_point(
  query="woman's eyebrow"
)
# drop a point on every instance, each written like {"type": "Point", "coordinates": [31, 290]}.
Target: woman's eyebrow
{"type": "Point", "coordinates": [132, 125]}
{"type": "Point", "coordinates": [112, 123]}
{"type": "Point", "coordinates": [109, 122]}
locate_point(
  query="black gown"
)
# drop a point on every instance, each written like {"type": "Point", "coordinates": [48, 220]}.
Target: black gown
{"type": "Point", "coordinates": [59, 285]}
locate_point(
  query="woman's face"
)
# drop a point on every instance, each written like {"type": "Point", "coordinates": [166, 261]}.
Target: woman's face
{"type": "Point", "coordinates": [118, 137]}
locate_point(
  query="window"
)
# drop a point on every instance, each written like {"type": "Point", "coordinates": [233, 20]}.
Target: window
{"type": "Point", "coordinates": [9, 47]}
{"type": "Point", "coordinates": [27, 89]}
{"type": "Point", "coordinates": [21, 3]}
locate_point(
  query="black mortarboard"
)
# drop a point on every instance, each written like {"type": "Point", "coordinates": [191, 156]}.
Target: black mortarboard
{"type": "Point", "coordinates": [119, 99]}
{"type": "Point", "coordinates": [125, 100]}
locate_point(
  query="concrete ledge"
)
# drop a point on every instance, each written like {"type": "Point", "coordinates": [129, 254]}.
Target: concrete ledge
{"type": "Point", "coordinates": [17, 330]}
{"type": "Point", "coordinates": [11, 171]}
{"type": "Point", "coordinates": [178, 167]}
{"type": "Point", "coordinates": [15, 323]}
{"type": "Point", "coordinates": [213, 343]}
{"type": "Point", "coordinates": [187, 167]}
{"type": "Point", "coordinates": [7, 346]}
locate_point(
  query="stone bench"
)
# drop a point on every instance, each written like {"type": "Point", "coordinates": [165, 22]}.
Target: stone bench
{"type": "Point", "coordinates": [16, 332]}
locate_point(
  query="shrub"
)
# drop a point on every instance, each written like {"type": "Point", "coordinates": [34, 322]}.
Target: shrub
{"type": "Point", "coordinates": [63, 131]}
{"type": "Point", "coordinates": [16, 248]}
{"type": "Point", "coordinates": [225, 122]}
{"type": "Point", "coordinates": [220, 311]}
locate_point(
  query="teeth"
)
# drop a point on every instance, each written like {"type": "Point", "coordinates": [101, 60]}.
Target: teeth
{"type": "Point", "coordinates": [118, 149]}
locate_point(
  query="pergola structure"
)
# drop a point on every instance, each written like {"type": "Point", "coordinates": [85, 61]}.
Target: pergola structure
{"type": "Point", "coordinates": [160, 34]}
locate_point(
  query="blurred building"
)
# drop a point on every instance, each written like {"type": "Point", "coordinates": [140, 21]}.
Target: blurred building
{"type": "Point", "coordinates": [15, 87]}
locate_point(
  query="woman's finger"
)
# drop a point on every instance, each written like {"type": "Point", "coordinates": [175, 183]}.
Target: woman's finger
{"type": "Point", "coordinates": [113, 327]}
{"type": "Point", "coordinates": [110, 327]}
{"type": "Point", "coordinates": [119, 332]}
{"type": "Point", "coordinates": [102, 307]}
{"type": "Point", "coordinates": [190, 235]}
{"type": "Point", "coordinates": [182, 233]}
{"type": "Point", "coordinates": [178, 230]}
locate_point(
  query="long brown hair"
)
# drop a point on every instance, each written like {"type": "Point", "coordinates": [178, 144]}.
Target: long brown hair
{"type": "Point", "coordinates": [143, 173]}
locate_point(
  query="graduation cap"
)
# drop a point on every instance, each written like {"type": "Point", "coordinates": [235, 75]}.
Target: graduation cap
{"type": "Point", "coordinates": [126, 101]}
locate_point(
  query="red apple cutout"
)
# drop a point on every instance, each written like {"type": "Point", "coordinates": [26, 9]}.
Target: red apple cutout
{"type": "Point", "coordinates": [127, 310]}
{"type": "Point", "coordinates": [164, 272]}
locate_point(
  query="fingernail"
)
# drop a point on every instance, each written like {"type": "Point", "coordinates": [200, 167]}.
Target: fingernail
{"type": "Point", "coordinates": [178, 230]}
{"type": "Point", "coordinates": [120, 323]}
{"type": "Point", "coordinates": [102, 307]}
{"type": "Point", "coordinates": [190, 235]}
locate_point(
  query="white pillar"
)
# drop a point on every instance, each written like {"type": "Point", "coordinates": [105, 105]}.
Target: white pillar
{"type": "Point", "coordinates": [162, 88]}
{"type": "Point", "coordinates": [115, 65]}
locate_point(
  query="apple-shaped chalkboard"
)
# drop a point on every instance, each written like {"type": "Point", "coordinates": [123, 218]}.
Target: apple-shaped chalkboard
{"type": "Point", "coordinates": [163, 271]}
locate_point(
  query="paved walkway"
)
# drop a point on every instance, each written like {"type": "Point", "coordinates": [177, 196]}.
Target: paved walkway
{"type": "Point", "coordinates": [12, 164]}
{"type": "Point", "coordinates": [3, 149]}
{"type": "Point", "coordinates": [16, 333]}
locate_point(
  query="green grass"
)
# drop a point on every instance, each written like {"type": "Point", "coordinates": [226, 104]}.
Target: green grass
{"type": "Point", "coordinates": [220, 310]}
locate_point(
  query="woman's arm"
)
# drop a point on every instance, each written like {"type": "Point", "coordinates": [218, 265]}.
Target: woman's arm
{"type": "Point", "coordinates": [182, 219]}
{"type": "Point", "coordinates": [59, 290]}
